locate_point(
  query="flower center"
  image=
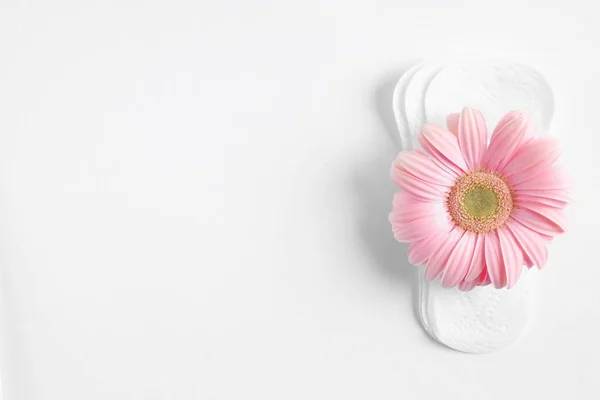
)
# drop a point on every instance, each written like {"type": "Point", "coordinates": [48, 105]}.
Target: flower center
{"type": "Point", "coordinates": [480, 202]}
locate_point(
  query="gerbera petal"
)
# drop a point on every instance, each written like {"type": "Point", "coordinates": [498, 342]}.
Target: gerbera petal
{"type": "Point", "coordinates": [478, 260]}
{"type": "Point", "coordinates": [467, 286]}
{"type": "Point", "coordinates": [459, 261]}
{"type": "Point", "coordinates": [402, 199]}
{"type": "Point", "coordinates": [484, 278]}
{"type": "Point", "coordinates": [420, 251]}
{"type": "Point", "coordinates": [551, 178]}
{"type": "Point", "coordinates": [494, 261]}
{"type": "Point", "coordinates": [438, 260]}
{"type": "Point", "coordinates": [419, 188]}
{"type": "Point", "coordinates": [512, 256]}
{"type": "Point", "coordinates": [527, 261]}
{"type": "Point", "coordinates": [422, 167]}
{"type": "Point", "coordinates": [452, 123]}
{"type": "Point", "coordinates": [534, 247]}
{"type": "Point", "coordinates": [412, 230]}
{"type": "Point", "coordinates": [533, 157]}
{"type": "Point", "coordinates": [547, 221]}
{"type": "Point", "coordinates": [442, 146]}
{"type": "Point", "coordinates": [561, 195]}
{"type": "Point", "coordinates": [513, 130]}
{"type": "Point", "coordinates": [404, 213]}
{"type": "Point", "coordinates": [555, 215]}
{"type": "Point", "coordinates": [536, 201]}
{"type": "Point", "coordinates": [472, 137]}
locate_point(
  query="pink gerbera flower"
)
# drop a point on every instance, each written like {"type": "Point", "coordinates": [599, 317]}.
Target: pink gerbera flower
{"type": "Point", "coordinates": [475, 214]}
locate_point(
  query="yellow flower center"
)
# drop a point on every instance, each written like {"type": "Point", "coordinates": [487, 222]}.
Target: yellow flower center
{"type": "Point", "coordinates": [480, 201]}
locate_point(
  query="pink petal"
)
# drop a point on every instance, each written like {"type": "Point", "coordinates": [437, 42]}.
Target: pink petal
{"type": "Point", "coordinates": [472, 137]}
{"type": "Point", "coordinates": [403, 214]}
{"type": "Point", "coordinates": [422, 167]}
{"type": "Point", "coordinates": [409, 229]}
{"type": "Point", "coordinates": [413, 231]}
{"type": "Point", "coordinates": [443, 147]}
{"type": "Point", "coordinates": [402, 199]}
{"type": "Point", "coordinates": [484, 279]}
{"type": "Point", "coordinates": [438, 260]}
{"type": "Point", "coordinates": [536, 201]}
{"type": "Point", "coordinates": [478, 260]}
{"type": "Point", "coordinates": [532, 158]}
{"type": "Point", "coordinates": [527, 261]}
{"type": "Point", "coordinates": [547, 221]}
{"type": "Point", "coordinates": [413, 220]}
{"type": "Point", "coordinates": [534, 247]}
{"type": "Point", "coordinates": [512, 256]}
{"type": "Point", "coordinates": [459, 261]}
{"type": "Point", "coordinates": [452, 123]}
{"type": "Point", "coordinates": [421, 251]}
{"type": "Point", "coordinates": [467, 286]}
{"type": "Point", "coordinates": [418, 188]}
{"type": "Point", "coordinates": [526, 175]}
{"type": "Point", "coordinates": [561, 195]}
{"type": "Point", "coordinates": [513, 130]}
{"type": "Point", "coordinates": [547, 238]}
{"type": "Point", "coordinates": [494, 261]}
{"type": "Point", "coordinates": [551, 178]}
{"type": "Point", "coordinates": [555, 215]}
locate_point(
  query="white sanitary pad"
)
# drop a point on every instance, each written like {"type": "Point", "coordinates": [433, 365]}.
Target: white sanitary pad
{"type": "Point", "coordinates": [485, 318]}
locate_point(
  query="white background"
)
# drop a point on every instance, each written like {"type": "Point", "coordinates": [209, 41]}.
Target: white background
{"type": "Point", "coordinates": [194, 200]}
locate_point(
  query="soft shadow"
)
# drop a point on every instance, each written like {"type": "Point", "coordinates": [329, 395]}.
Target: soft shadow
{"type": "Point", "coordinates": [374, 192]}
